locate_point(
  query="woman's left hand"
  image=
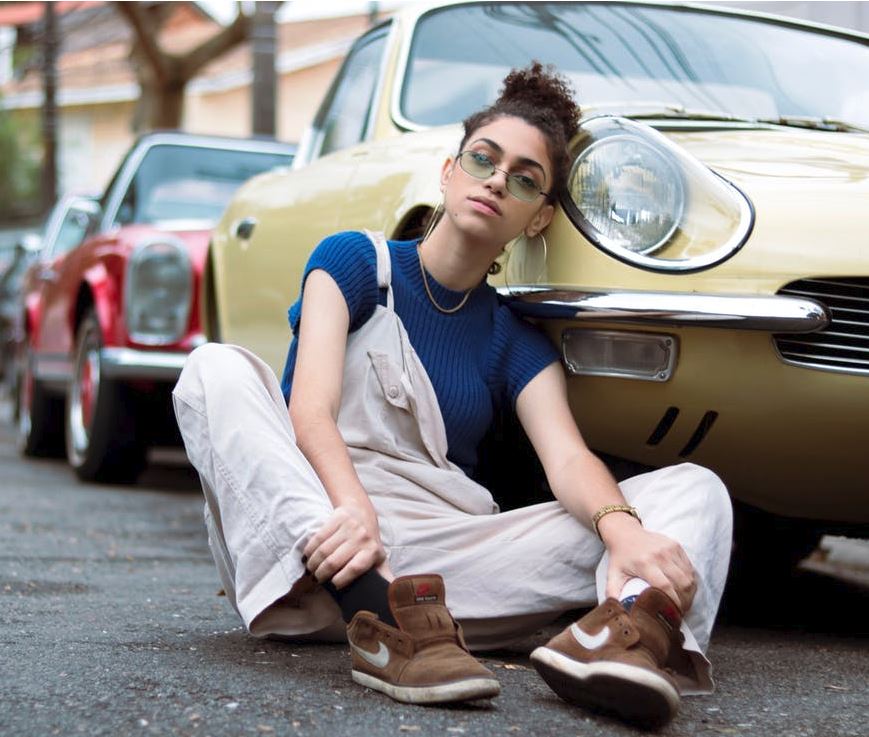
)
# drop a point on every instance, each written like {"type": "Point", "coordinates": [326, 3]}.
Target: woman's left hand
{"type": "Point", "coordinates": [638, 553]}
{"type": "Point", "coordinates": [583, 484]}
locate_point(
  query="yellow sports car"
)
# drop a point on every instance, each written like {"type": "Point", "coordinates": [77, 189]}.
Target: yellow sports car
{"type": "Point", "coordinates": [706, 276]}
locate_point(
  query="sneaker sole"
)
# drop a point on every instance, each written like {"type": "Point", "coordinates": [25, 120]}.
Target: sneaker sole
{"type": "Point", "coordinates": [628, 691]}
{"type": "Point", "coordinates": [467, 690]}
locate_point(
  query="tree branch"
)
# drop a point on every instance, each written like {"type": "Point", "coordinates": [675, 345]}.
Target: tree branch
{"type": "Point", "coordinates": [191, 62]}
{"type": "Point", "coordinates": [146, 36]}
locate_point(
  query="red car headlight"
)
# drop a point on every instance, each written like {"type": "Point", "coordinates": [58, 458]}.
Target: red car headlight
{"type": "Point", "coordinates": [158, 291]}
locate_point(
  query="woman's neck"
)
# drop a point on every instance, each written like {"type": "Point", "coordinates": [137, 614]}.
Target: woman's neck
{"type": "Point", "coordinates": [453, 260]}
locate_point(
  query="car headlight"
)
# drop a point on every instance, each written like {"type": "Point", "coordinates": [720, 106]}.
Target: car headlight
{"type": "Point", "coordinates": [158, 291]}
{"type": "Point", "coordinates": [630, 192]}
{"type": "Point", "coordinates": [644, 200]}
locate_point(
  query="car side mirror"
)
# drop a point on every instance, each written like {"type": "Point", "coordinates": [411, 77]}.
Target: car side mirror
{"type": "Point", "coordinates": [30, 243]}
{"type": "Point", "coordinates": [87, 214]}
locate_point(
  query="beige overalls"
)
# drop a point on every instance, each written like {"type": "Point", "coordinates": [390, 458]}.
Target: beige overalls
{"type": "Point", "coordinates": [506, 573]}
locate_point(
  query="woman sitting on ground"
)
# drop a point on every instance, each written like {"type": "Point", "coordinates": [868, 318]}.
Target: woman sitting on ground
{"type": "Point", "coordinates": [401, 354]}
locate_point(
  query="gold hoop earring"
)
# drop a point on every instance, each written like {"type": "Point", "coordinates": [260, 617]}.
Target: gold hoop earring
{"type": "Point", "coordinates": [433, 220]}
{"type": "Point", "coordinates": [522, 246]}
{"type": "Point", "coordinates": [496, 267]}
{"type": "Point", "coordinates": [545, 248]}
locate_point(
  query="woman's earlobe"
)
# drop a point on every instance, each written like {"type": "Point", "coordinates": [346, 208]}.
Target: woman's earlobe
{"type": "Point", "coordinates": [542, 219]}
{"type": "Point", "coordinates": [446, 172]}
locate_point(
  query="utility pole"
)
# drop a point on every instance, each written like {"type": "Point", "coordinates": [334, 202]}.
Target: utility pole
{"type": "Point", "coordinates": [263, 43]}
{"type": "Point", "coordinates": [49, 108]}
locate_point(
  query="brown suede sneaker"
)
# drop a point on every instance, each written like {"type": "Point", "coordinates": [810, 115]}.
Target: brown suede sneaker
{"type": "Point", "coordinates": [426, 660]}
{"type": "Point", "coordinates": [612, 660]}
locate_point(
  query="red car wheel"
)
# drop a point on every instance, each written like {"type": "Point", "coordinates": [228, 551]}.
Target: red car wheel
{"type": "Point", "coordinates": [102, 442]}
{"type": "Point", "coordinates": [39, 413]}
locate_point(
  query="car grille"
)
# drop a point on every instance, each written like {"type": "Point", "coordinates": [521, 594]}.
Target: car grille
{"type": "Point", "coordinates": [844, 344]}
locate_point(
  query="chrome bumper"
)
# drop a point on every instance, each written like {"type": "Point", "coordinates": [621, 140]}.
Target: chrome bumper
{"type": "Point", "coordinates": [129, 363]}
{"type": "Point", "coordinates": [773, 314]}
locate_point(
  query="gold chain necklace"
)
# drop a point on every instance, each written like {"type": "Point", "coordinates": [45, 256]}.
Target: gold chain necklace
{"type": "Point", "coordinates": [446, 311]}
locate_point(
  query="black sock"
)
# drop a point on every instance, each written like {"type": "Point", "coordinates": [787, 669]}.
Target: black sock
{"type": "Point", "coordinates": [366, 592]}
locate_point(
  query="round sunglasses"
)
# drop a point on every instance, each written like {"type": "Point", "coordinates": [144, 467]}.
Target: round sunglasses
{"type": "Point", "coordinates": [480, 166]}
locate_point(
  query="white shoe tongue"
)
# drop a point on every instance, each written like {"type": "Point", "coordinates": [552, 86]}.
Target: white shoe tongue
{"type": "Point", "coordinates": [411, 590]}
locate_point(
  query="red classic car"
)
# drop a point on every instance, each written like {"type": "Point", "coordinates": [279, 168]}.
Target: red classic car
{"type": "Point", "coordinates": [107, 323]}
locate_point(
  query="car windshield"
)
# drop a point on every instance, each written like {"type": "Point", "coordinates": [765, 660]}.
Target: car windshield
{"type": "Point", "coordinates": [190, 182]}
{"type": "Point", "coordinates": [627, 58]}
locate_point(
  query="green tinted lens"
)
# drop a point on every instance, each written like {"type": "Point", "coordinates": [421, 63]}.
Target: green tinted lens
{"type": "Point", "coordinates": [477, 165]}
{"type": "Point", "coordinates": [522, 187]}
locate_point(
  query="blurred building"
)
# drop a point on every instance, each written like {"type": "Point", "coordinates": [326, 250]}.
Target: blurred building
{"type": "Point", "coordinates": [97, 88]}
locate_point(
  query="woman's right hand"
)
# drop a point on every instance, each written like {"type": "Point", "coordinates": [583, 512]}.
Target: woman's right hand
{"type": "Point", "coordinates": [345, 547]}
{"type": "Point", "coordinates": [348, 544]}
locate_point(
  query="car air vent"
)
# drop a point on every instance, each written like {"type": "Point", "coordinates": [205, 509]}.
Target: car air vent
{"type": "Point", "coordinates": [697, 437]}
{"type": "Point", "coordinates": [844, 344]}
{"type": "Point", "coordinates": [664, 425]}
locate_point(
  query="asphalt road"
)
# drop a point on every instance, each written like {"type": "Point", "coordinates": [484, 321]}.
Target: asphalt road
{"type": "Point", "coordinates": [110, 624]}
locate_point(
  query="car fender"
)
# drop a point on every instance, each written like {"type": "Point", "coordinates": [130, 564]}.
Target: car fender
{"type": "Point", "coordinates": [31, 314]}
{"type": "Point", "coordinates": [103, 290]}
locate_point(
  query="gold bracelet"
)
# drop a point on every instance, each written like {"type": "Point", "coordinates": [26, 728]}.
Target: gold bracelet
{"type": "Point", "coordinates": [613, 508]}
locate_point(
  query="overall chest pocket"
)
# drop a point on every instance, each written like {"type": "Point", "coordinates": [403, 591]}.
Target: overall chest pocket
{"type": "Point", "coordinates": [392, 379]}
{"type": "Point", "coordinates": [409, 414]}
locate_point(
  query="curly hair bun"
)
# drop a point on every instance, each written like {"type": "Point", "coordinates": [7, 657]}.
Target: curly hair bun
{"type": "Point", "coordinates": [544, 99]}
{"type": "Point", "coordinates": [545, 89]}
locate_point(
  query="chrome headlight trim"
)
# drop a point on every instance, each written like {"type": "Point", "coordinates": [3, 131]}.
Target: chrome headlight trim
{"type": "Point", "coordinates": [147, 249]}
{"type": "Point", "coordinates": [622, 127]}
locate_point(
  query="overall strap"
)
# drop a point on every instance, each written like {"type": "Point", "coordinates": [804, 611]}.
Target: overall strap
{"type": "Point", "coordinates": [384, 263]}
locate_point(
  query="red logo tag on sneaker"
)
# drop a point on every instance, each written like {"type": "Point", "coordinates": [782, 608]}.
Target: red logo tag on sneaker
{"type": "Point", "coordinates": [670, 615]}
{"type": "Point", "coordinates": [424, 593]}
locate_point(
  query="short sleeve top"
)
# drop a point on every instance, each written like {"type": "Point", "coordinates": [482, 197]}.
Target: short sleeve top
{"type": "Point", "coordinates": [477, 358]}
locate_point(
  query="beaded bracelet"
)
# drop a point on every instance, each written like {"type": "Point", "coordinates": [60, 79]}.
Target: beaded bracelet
{"type": "Point", "coordinates": [607, 509]}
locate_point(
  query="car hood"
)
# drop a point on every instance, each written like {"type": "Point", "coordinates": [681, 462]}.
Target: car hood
{"type": "Point", "coordinates": [808, 189]}
{"type": "Point", "coordinates": [781, 154]}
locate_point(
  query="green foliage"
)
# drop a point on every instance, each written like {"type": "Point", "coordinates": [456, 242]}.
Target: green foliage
{"type": "Point", "coordinates": [19, 168]}
{"type": "Point", "coordinates": [23, 55]}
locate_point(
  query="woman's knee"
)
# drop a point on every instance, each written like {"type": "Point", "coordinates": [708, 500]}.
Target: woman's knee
{"type": "Point", "coordinates": [210, 370]}
{"type": "Point", "coordinates": [695, 491]}
{"type": "Point", "coordinates": [200, 359]}
{"type": "Point", "coordinates": [214, 363]}
{"type": "Point", "coordinates": [209, 355]}
{"type": "Point", "coordinates": [709, 494]}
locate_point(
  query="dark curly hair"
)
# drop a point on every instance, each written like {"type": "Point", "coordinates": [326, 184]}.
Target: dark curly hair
{"type": "Point", "coordinates": [542, 98]}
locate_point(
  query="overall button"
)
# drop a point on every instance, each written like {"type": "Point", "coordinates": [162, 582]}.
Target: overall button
{"type": "Point", "coordinates": [392, 392]}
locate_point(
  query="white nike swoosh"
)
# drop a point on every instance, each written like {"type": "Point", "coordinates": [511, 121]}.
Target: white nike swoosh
{"type": "Point", "coordinates": [380, 659]}
{"type": "Point", "coordinates": [590, 642]}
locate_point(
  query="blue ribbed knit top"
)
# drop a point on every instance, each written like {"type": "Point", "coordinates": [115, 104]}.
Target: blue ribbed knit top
{"type": "Point", "coordinates": [476, 358]}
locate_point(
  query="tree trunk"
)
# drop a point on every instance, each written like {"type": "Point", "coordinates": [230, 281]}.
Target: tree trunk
{"type": "Point", "coordinates": [49, 110]}
{"type": "Point", "coordinates": [160, 106]}
{"type": "Point", "coordinates": [163, 76]}
{"type": "Point", "coordinates": [263, 42]}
